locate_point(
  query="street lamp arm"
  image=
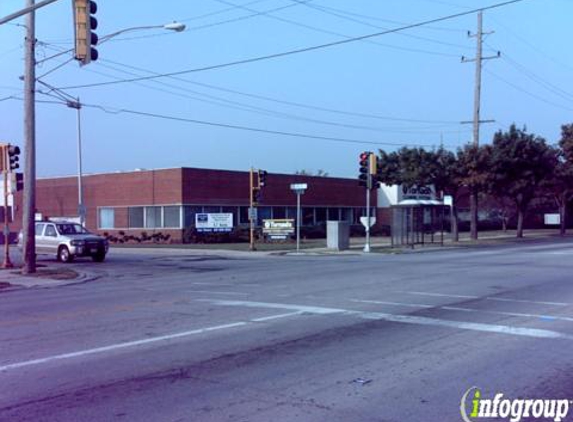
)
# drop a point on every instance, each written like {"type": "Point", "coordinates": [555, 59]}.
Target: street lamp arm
{"type": "Point", "coordinates": [174, 26]}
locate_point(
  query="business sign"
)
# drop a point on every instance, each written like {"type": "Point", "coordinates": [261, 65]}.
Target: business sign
{"type": "Point", "coordinates": [418, 192]}
{"type": "Point", "coordinates": [214, 222]}
{"type": "Point", "coordinates": [552, 219]}
{"type": "Point", "coordinates": [278, 229]}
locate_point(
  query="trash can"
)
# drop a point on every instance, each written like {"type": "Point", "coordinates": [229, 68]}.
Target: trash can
{"type": "Point", "coordinates": [337, 235]}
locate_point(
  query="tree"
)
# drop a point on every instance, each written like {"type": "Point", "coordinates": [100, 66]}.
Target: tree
{"type": "Point", "coordinates": [518, 163]}
{"type": "Point", "coordinates": [560, 185]}
{"type": "Point", "coordinates": [446, 175]}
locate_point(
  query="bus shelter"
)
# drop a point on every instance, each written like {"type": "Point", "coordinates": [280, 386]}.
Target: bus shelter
{"type": "Point", "coordinates": [417, 222]}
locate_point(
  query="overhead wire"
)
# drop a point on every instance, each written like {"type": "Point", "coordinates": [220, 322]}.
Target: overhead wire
{"type": "Point", "coordinates": [218, 23]}
{"type": "Point", "coordinates": [339, 34]}
{"type": "Point", "coordinates": [336, 13]}
{"type": "Point", "coordinates": [518, 88]}
{"type": "Point", "coordinates": [265, 111]}
{"type": "Point", "coordinates": [375, 18]}
{"type": "Point", "coordinates": [248, 107]}
{"type": "Point", "coordinates": [295, 51]}
{"type": "Point", "coordinates": [115, 110]}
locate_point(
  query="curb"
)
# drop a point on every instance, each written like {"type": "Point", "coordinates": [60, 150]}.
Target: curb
{"type": "Point", "coordinates": [18, 281]}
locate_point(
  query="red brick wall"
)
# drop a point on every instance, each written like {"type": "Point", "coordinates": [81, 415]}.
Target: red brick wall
{"type": "Point", "coordinates": [220, 187]}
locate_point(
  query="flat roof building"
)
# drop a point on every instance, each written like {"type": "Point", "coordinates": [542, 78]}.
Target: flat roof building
{"type": "Point", "coordinates": [167, 200]}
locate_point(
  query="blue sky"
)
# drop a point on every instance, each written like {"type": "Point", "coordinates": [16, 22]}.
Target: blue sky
{"type": "Point", "coordinates": [406, 88]}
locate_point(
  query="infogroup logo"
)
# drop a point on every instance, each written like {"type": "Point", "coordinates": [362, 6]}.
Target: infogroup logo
{"type": "Point", "coordinates": [473, 407]}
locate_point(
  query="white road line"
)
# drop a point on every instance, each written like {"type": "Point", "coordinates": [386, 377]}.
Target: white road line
{"type": "Point", "coordinates": [270, 318]}
{"type": "Point", "coordinates": [136, 343]}
{"type": "Point", "coordinates": [535, 302]}
{"type": "Point", "coordinates": [300, 308]}
{"type": "Point", "coordinates": [211, 292]}
{"type": "Point", "coordinates": [516, 314]}
{"type": "Point", "coordinates": [379, 302]}
{"type": "Point", "coordinates": [499, 299]}
{"type": "Point", "coordinates": [460, 309]}
{"type": "Point", "coordinates": [406, 319]}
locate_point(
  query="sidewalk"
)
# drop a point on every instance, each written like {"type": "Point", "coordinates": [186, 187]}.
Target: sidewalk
{"type": "Point", "coordinates": [11, 279]}
{"type": "Point", "coordinates": [318, 246]}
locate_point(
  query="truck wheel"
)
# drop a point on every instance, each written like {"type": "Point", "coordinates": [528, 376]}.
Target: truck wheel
{"type": "Point", "coordinates": [99, 257]}
{"type": "Point", "coordinates": [64, 254]}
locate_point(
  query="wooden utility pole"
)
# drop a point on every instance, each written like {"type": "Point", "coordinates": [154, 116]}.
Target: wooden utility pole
{"type": "Point", "coordinates": [476, 117]}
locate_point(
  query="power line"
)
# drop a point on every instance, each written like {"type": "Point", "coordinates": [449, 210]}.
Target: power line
{"type": "Point", "coordinates": [341, 14]}
{"type": "Point", "coordinates": [339, 34]}
{"type": "Point", "coordinates": [296, 51]}
{"type": "Point", "coordinates": [114, 110]}
{"type": "Point", "coordinates": [443, 123]}
{"type": "Point", "coordinates": [274, 113]}
{"type": "Point", "coordinates": [218, 12]}
{"type": "Point", "coordinates": [245, 128]}
{"type": "Point", "coordinates": [518, 88]}
{"type": "Point", "coordinates": [218, 23]}
{"type": "Point", "coordinates": [539, 80]}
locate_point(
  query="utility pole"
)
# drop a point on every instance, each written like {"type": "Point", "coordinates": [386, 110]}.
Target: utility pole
{"type": "Point", "coordinates": [476, 118]}
{"type": "Point", "coordinates": [29, 199]}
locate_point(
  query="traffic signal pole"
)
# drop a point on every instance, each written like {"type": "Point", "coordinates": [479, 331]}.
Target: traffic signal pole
{"type": "Point", "coordinates": [251, 212]}
{"type": "Point", "coordinates": [7, 263]}
{"type": "Point", "coordinates": [367, 243]}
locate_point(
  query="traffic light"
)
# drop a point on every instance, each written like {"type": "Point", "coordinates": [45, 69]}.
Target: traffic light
{"type": "Point", "coordinates": [13, 152]}
{"type": "Point", "coordinates": [3, 158]}
{"type": "Point", "coordinates": [85, 24]}
{"type": "Point", "coordinates": [363, 175]}
{"type": "Point", "coordinates": [17, 182]}
{"type": "Point", "coordinates": [262, 178]}
{"type": "Point", "coordinates": [256, 196]}
{"type": "Point", "coordinates": [373, 164]}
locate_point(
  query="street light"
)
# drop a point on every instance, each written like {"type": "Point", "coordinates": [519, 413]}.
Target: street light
{"type": "Point", "coordinates": [173, 26]}
{"type": "Point", "coordinates": [29, 196]}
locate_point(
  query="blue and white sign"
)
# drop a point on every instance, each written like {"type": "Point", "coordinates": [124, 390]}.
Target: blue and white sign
{"type": "Point", "coordinates": [214, 222]}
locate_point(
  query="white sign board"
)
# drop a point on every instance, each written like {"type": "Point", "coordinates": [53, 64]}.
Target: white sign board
{"type": "Point", "coordinates": [552, 219]}
{"type": "Point", "coordinates": [278, 229]}
{"type": "Point", "coordinates": [364, 221]}
{"type": "Point", "coordinates": [214, 222]}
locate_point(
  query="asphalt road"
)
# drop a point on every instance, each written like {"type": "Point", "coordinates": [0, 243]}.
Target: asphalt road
{"type": "Point", "coordinates": [188, 337]}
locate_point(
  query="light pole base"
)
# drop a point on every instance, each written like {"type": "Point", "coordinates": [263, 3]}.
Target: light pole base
{"type": "Point", "coordinates": [366, 248]}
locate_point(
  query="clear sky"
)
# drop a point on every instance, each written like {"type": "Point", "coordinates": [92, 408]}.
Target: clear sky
{"type": "Point", "coordinates": [404, 88]}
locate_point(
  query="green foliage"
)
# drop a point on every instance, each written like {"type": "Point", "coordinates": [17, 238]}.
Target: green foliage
{"type": "Point", "coordinates": [518, 163]}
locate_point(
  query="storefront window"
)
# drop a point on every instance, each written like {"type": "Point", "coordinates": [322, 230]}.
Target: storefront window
{"type": "Point", "coordinates": [135, 217]}
{"type": "Point", "coordinates": [320, 215]}
{"type": "Point", "coordinates": [106, 218]}
{"type": "Point", "coordinates": [189, 214]}
{"type": "Point", "coordinates": [171, 216]}
{"type": "Point", "coordinates": [279, 212]}
{"type": "Point", "coordinates": [308, 216]}
{"type": "Point", "coordinates": [333, 214]}
{"type": "Point", "coordinates": [153, 217]}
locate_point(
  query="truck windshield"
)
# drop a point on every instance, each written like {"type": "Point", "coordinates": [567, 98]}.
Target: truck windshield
{"type": "Point", "coordinates": [71, 229]}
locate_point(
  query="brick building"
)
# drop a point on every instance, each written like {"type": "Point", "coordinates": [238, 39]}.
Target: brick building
{"type": "Point", "coordinates": [167, 200]}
